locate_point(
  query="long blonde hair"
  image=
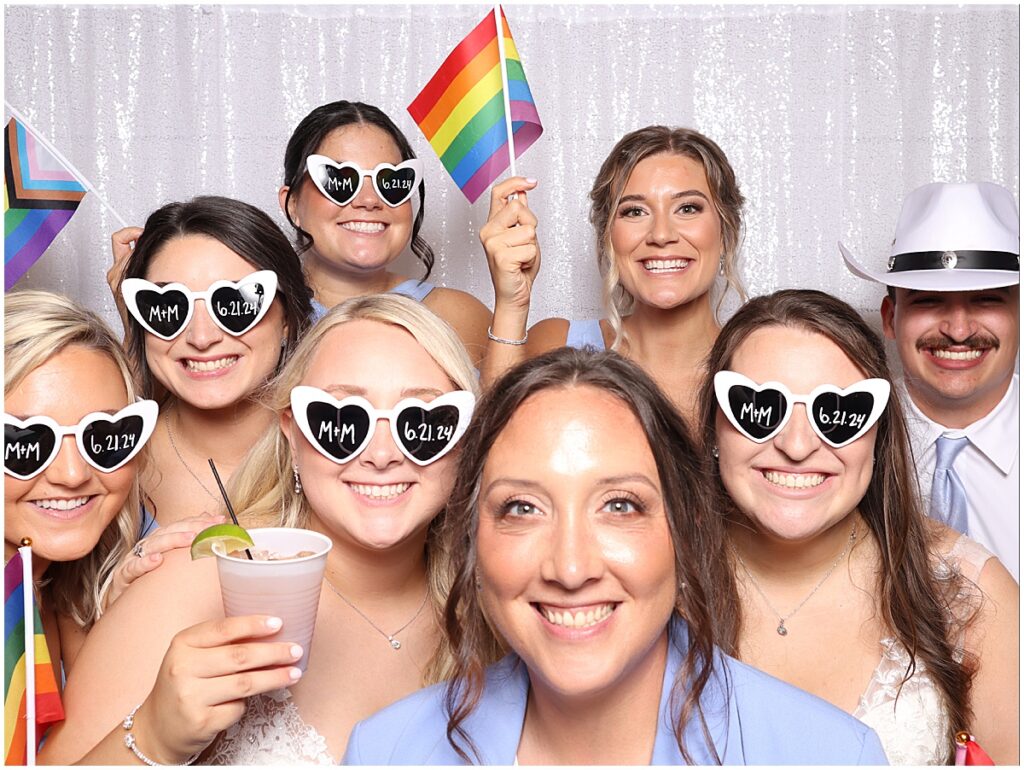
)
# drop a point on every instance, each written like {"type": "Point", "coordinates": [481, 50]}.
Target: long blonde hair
{"type": "Point", "coordinates": [264, 488]}
{"type": "Point", "coordinates": [611, 181]}
{"type": "Point", "coordinates": [37, 326]}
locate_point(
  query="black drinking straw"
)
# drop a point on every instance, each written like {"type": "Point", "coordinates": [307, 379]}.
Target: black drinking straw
{"type": "Point", "coordinates": [224, 494]}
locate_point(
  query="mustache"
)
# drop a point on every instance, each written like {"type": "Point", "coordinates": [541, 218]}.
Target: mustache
{"type": "Point", "coordinates": [977, 341]}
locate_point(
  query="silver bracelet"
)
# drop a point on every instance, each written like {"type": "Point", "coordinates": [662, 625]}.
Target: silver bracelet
{"type": "Point", "coordinates": [129, 741]}
{"type": "Point", "coordinates": [503, 341]}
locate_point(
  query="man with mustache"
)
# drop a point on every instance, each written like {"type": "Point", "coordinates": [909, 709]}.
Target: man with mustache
{"type": "Point", "coordinates": [952, 309]}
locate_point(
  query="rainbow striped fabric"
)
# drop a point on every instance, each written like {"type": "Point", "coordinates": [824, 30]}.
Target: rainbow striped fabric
{"type": "Point", "coordinates": [461, 110]}
{"type": "Point", "coordinates": [48, 707]}
{"type": "Point", "coordinates": [40, 195]}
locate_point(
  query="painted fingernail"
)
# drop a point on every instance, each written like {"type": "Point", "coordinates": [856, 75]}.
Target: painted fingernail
{"type": "Point", "coordinates": [530, 180]}
{"type": "Point", "coordinates": [274, 623]}
{"type": "Point", "coordinates": [295, 674]}
{"type": "Point", "coordinates": [296, 651]}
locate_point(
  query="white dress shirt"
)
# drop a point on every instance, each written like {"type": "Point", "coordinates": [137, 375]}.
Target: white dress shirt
{"type": "Point", "coordinates": [988, 468]}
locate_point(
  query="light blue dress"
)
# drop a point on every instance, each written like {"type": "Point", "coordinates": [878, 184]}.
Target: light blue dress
{"type": "Point", "coordinates": [585, 334]}
{"type": "Point", "coordinates": [761, 721]}
{"type": "Point", "coordinates": [413, 288]}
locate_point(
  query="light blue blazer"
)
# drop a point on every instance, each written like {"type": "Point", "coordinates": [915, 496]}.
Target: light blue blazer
{"type": "Point", "coordinates": [764, 721]}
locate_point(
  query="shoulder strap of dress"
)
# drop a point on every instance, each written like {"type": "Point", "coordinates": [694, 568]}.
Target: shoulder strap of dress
{"type": "Point", "coordinates": [414, 289]}
{"type": "Point", "coordinates": [971, 556]}
{"type": "Point", "coordinates": [585, 333]}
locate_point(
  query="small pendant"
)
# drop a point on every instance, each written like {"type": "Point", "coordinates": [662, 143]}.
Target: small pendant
{"type": "Point", "coordinates": [781, 630]}
{"type": "Point", "coordinates": [395, 644]}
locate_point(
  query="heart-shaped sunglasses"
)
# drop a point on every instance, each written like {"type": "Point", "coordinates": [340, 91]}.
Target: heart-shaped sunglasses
{"type": "Point", "coordinates": [341, 182]}
{"type": "Point", "coordinates": [838, 416]}
{"type": "Point", "coordinates": [235, 306]}
{"type": "Point", "coordinates": [105, 441]}
{"type": "Point", "coordinates": [423, 431]}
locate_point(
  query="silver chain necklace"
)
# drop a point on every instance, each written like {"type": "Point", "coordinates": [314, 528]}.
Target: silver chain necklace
{"type": "Point", "coordinates": [782, 630]}
{"type": "Point", "coordinates": [199, 481]}
{"type": "Point", "coordinates": [395, 644]}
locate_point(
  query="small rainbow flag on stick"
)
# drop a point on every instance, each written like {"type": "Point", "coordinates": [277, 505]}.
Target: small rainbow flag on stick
{"type": "Point", "coordinates": [470, 107]}
{"type": "Point", "coordinates": [40, 196]}
{"type": "Point", "coordinates": [27, 667]}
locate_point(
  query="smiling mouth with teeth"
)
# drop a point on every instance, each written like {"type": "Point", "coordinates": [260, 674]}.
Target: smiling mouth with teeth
{"type": "Point", "coordinates": [208, 366]}
{"type": "Point", "coordinates": [364, 227]}
{"type": "Point", "coordinates": [665, 265]}
{"type": "Point", "coordinates": [567, 618]}
{"type": "Point", "coordinates": [380, 491]}
{"type": "Point", "coordinates": [62, 504]}
{"type": "Point", "coordinates": [795, 480]}
{"type": "Point", "coordinates": [957, 355]}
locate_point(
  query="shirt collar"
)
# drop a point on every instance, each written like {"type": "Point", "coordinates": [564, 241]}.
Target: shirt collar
{"type": "Point", "coordinates": [996, 435]}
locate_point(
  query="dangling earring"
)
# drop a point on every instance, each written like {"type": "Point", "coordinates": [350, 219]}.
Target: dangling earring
{"type": "Point", "coordinates": [714, 452]}
{"type": "Point", "coordinates": [298, 481]}
{"type": "Point", "coordinates": [721, 265]}
{"type": "Point", "coordinates": [477, 581]}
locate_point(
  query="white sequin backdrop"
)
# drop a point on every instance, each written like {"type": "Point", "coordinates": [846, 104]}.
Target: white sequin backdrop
{"type": "Point", "coordinates": [829, 114]}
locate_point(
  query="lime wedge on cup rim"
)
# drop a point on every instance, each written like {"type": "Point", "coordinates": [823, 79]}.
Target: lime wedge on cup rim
{"type": "Point", "coordinates": [227, 538]}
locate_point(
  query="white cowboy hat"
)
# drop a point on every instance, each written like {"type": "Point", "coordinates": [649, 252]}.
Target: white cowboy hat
{"type": "Point", "coordinates": [952, 237]}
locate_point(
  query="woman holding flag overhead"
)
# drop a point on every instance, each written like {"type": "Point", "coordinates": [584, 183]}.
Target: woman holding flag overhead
{"type": "Point", "coordinates": [73, 431]}
{"type": "Point", "coordinates": [666, 214]}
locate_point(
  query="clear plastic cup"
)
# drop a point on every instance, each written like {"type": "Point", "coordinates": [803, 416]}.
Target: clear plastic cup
{"type": "Point", "coordinates": [286, 587]}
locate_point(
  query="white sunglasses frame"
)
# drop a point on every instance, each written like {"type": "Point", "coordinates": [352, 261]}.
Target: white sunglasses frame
{"type": "Point", "coordinates": [130, 287]}
{"type": "Point", "coordinates": [322, 160]}
{"type": "Point", "coordinates": [880, 389]}
{"type": "Point", "coordinates": [145, 408]}
{"type": "Point", "coordinates": [303, 395]}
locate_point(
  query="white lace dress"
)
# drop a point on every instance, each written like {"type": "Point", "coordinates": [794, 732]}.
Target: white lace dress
{"type": "Point", "coordinates": [914, 728]}
{"type": "Point", "coordinates": [270, 732]}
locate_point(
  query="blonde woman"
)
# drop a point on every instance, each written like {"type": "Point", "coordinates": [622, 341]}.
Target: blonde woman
{"type": "Point", "coordinates": [665, 207]}
{"type": "Point", "coordinates": [385, 580]}
{"type": "Point", "coordinates": [70, 475]}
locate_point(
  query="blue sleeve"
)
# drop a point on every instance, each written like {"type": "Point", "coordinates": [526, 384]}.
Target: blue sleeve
{"type": "Point", "coordinates": [351, 756]}
{"type": "Point", "coordinates": [871, 751]}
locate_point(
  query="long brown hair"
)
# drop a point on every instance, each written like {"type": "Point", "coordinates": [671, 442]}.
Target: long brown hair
{"type": "Point", "coordinates": [611, 181]}
{"type": "Point", "coordinates": [923, 610]}
{"type": "Point", "coordinates": [696, 532]}
{"type": "Point", "coordinates": [244, 229]}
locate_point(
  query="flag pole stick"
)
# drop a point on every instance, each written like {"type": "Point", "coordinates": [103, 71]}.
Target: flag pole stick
{"type": "Point", "coordinates": [504, 89]}
{"type": "Point", "coordinates": [30, 656]}
{"type": "Point", "coordinates": [59, 156]}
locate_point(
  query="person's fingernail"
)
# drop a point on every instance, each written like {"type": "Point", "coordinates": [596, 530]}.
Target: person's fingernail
{"type": "Point", "coordinates": [154, 558]}
{"type": "Point", "coordinates": [274, 623]}
{"type": "Point", "coordinates": [295, 674]}
{"type": "Point", "coordinates": [530, 180]}
{"type": "Point", "coordinates": [296, 651]}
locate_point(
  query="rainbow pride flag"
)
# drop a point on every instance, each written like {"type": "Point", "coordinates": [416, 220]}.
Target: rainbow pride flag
{"type": "Point", "coordinates": [48, 708]}
{"type": "Point", "coordinates": [461, 111]}
{"type": "Point", "coordinates": [40, 195]}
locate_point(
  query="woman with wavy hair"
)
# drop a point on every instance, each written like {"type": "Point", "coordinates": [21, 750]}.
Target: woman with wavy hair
{"type": "Point", "coordinates": [380, 498]}
{"type": "Point", "coordinates": [584, 549]}
{"type": "Point", "coordinates": [70, 474]}
{"type": "Point", "coordinates": [842, 586]}
{"type": "Point", "coordinates": [354, 192]}
{"type": "Point", "coordinates": [215, 302]}
{"type": "Point", "coordinates": [666, 212]}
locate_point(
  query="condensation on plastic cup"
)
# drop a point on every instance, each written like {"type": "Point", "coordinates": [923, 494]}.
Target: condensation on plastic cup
{"type": "Point", "coordinates": [286, 588]}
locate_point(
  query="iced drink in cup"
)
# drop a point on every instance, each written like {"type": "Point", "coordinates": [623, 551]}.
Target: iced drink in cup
{"type": "Point", "coordinates": [282, 579]}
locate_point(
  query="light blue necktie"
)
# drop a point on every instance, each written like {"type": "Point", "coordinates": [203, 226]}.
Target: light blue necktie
{"type": "Point", "coordinates": [949, 498]}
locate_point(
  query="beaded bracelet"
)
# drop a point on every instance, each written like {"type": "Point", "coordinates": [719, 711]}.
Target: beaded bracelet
{"type": "Point", "coordinates": [503, 341]}
{"type": "Point", "coordinates": [129, 742]}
